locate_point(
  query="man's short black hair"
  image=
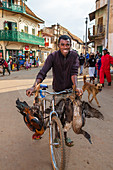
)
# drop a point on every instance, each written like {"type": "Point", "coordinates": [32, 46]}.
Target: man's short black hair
{"type": "Point", "coordinates": [64, 37]}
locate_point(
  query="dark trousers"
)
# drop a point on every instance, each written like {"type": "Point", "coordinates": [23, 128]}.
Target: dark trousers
{"type": "Point", "coordinates": [17, 67]}
{"type": "Point", "coordinates": [6, 69]}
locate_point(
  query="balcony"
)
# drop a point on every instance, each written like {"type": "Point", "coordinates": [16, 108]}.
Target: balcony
{"type": "Point", "coordinates": [96, 32]}
{"type": "Point", "coordinates": [12, 7]}
{"type": "Point", "coordinates": [9, 35]}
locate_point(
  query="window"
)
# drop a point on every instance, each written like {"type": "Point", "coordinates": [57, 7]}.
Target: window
{"type": "Point", "coordinates": [100, 25]}
{"type": "Point", "coordinates": [33, 31]}
{"type": "Point", "coordinates": [26, 29]}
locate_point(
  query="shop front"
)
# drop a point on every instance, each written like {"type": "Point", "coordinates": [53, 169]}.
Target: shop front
{"type": "Point", "coordinates": [15, 55]}
{"type": "Point", "coordinates": [30, 54]}
{"type": "Point", "coordinates": [21, 55]}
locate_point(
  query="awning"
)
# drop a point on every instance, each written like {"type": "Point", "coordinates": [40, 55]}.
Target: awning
{"type": "Point", "coordinates": [92, 16]}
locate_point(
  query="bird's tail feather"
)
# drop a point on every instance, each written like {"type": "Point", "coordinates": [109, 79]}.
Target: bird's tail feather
{"type": "Point", "coordinates": [91, 112]}
{"type": "Point", "coordinates": [22, 106]}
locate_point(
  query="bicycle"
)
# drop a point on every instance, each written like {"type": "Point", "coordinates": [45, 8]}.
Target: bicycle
{"type": "Point", "coordinates": [52, 121]}
{"type": "Point", "coordinates": [40, 116]}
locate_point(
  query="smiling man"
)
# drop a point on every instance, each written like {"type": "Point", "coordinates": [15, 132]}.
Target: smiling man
{"type": "Point", "coordinates": [64, 64]}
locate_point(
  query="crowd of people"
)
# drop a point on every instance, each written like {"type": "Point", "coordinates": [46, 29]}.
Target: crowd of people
{"type": "Point", "coordinates": [9, 64]}
{"type": "Point", "coordinates": [99, 66]}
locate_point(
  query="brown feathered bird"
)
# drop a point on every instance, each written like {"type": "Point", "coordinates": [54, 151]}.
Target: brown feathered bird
{"type": "Point", "coordinates": [32, 117]}
{"type": "Point", "coordinates": [73, 112]}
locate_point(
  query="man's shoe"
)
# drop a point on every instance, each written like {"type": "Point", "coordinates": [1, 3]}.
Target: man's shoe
{"type": "Point", "coordinates": [103, 85]}
{"type": "Point", "coordinates": [57, 142]}
{"type": "Point", "coordinates": [109, 84]}
{"type": "Point", "coordinates": [69, 142]}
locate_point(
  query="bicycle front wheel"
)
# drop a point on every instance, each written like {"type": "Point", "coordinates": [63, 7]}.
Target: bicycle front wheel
{"type": "Point", "coordinates": [57, 145]}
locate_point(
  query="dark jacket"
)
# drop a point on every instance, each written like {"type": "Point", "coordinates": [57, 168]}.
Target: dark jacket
{"type": "Point", "coordinates": [81, 59]}
{"type": "Point", "coordinates": [63, 68]}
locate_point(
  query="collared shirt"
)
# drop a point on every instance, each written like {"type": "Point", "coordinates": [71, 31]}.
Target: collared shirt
{"type": "Point", "coordinates": [62, 67]}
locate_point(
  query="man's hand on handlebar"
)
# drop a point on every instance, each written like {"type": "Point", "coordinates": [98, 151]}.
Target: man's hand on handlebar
{"type": "Point", "coordinates": [30, 91]}
{"type": "Point", "coordinates": [79, 92]}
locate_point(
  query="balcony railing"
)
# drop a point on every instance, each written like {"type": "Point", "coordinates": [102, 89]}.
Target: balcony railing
{"type": "Point", "coordinates": [96, 31]}
{"type": "Point", "coordinates": [12, 7]}
{"type": "Point", "coordinates": [9, 35]}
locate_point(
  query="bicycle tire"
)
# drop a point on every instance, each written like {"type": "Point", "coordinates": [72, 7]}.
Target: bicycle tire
{"type": "Point", "coordinates": [57, 150]}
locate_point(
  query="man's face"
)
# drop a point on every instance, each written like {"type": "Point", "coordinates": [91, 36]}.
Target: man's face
{"type": "Point", "coordinates": [64, 46]}
{"type": "Point", "coordinates": [105, 52]}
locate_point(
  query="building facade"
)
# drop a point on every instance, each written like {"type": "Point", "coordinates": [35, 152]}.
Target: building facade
{"type": "Point", "coordinates": [101, 34]}
{"type": "Point", "coordinates": [55, 31]}
{"type": "Point", "coordinates": [19, 31]}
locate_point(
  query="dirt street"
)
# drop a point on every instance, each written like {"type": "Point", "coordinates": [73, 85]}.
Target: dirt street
{"type": "Point", "coordinates": [19, 152]}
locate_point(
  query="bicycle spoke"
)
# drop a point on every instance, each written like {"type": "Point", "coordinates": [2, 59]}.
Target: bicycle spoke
{"type": "Point", "coordinates": [57, 150]}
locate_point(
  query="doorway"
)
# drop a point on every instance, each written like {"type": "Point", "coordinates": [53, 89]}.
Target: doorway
{"type": "Point", "coordinates": [99, 49]}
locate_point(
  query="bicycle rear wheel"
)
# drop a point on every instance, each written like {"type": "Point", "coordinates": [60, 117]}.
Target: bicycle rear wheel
{"type": "Point", "coordinates": [57, 147]}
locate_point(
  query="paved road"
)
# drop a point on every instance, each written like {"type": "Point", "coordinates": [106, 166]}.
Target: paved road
{"type": "Point", "coordinates": [19, 152]}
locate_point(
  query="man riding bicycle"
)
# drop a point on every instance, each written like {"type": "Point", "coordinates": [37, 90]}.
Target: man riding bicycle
{"type": "Point", "coordinates": [64, 64]}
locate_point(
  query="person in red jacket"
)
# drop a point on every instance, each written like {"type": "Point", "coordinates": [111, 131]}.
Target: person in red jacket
{"type": "Point", "coordinates": [106, 60]}
{"type": "Point", "coordinates": [4, 65]}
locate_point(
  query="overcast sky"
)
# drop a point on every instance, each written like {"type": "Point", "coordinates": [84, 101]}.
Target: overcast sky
{"type": "Point", "coordinates": [70, 14]}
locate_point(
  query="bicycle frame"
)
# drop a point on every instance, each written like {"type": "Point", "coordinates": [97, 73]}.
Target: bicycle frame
{"type": "Point", "coordinates": [44, 104]}
{"type": "Point", "coordinates": [57, 148]}
{"type": "Point", "coordinates": [43, 98]}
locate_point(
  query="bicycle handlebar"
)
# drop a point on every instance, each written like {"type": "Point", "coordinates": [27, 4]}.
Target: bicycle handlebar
{"type": "Point", "coordinates": [55, 93]}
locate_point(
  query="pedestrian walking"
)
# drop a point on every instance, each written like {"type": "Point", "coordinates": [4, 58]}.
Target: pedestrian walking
{"type": "Point", "coordinates": [4, 65]}
{"type": "Point", "coordinates": [97, 55]}
{"type": "Point", "coordinates": [37, 61]}
{"type": "Point", "coordinates": [106, 60]}
{"type": "Point", "coordinates": [81, 63]}
{"type": "Point", "coordinates": [87, 58]}
{"type": "Point", "coordinates": [92, 62]}
{"type": "Point", "coordinates": [10, 62]}
{"type": "Point", "coordinates": [98, 66]}
{"type": "Point", "coordinates": [30, 62]}
{"type": "Point", "coordinates": [27, 65]}
{"type": "Point", "coordinates": [17, 63]}
{"type": "Point", "coordinates": [34, 63]}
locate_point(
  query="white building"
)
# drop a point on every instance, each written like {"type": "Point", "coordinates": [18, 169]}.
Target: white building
{"type": "Point", "coordinates": [19, 28]}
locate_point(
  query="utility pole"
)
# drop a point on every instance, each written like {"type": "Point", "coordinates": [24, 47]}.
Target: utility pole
{"type": "Point", "coordinates": [83, 43]}
{"type": "Point", "coordinates": [86, 22]}
{"type": "Point", "coordinates": [107, 34]}
{"type": "Point", "coordinates": [57, 36]}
